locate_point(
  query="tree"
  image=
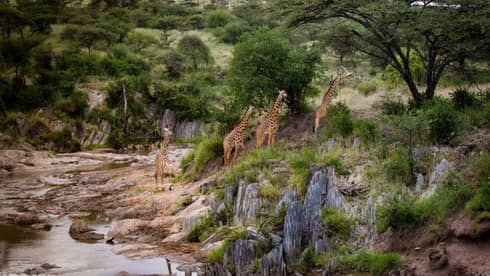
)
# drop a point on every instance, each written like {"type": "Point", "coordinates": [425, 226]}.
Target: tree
{"type": "Point", "coordinates": [166, 24]}
{"type": "Point", "coordinates": [88, 36]}
{"type": "Point", "coordinates": [140, 40]}
{"type": "Point", "coordinates": [174, 63]}
{"type": "Point", "coordinates": [264, 62]}
{"type": "Point", "coordinates": [394, 31]}
{"type": "Point", "coordinates": [218, 18]}
{"type": "Point", "coordinates": [12, 20]}
{"type": "Point", "coordinates": [195, 50]}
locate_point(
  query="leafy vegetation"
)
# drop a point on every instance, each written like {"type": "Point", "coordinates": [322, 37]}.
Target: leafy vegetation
{"type": "Point", "coordinates": [376, 263]}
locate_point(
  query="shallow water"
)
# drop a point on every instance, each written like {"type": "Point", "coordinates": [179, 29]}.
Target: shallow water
{"type": "Point", "coordinates": [22, 248]}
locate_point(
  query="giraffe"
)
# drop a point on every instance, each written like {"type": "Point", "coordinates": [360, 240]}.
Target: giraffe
{"type": "Point", "coordinates": [234, 140]}
{"type": "Point", "coordinates": [321, 110]}
{"type": "Point", "coordinates": [270, 124]}
{"type": "Point", "coordinates": [162, 156]}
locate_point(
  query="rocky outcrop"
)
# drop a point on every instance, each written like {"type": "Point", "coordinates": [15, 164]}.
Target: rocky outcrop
{"type": "Point", "coordinates": [439, 174]}
{"type": "Point", "coordinates": [247, 204]}
{"type": "Point", "coordinates": [273, 264]}
{"type": "Point", "coordinates": [168, 120]}
{"type": "Point", "coordinates": [98, 135]}
{"type": "Point", "coordinates": [294, 224]}
{"type": "Point", "coordinates": [286, 199]}
{"type": "Point", "coordinates": [189, 129]}
{"type": "Point", "coordinates": [239, 257]}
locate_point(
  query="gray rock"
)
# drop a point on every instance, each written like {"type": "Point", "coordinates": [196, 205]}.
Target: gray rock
{"type": "Point", "coordinates": [419, 184]}
{"type": "Point", "coordinates": [273, 263]}
{"type": "Point", "coordinates": [438, 175]}
{"type": "Point", "coordinates": [286, 199]}
{"type": "Point", "coordinates": [229, 193]}
{"type": "Point", "coordinates": [247, 204]}
{"type": "Point", "coordinates": [55, 181]}
{"type": "Point", "coordinates": [294, 223]}
{"type": "Point", "coordinates": [239, 256]}
{"type": "Point", "coordinates": [189, 129]}
{"type": "Point", "coordinates": [80, 231]}
{"type": "Point", "coordinates": [356, 142]}
{"type": "Point", "coordinates": [189, 222]}
{"type": "Point", "coordinates": [169, 120]}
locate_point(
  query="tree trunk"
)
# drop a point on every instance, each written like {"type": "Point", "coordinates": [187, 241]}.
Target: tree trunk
{"type": "Point", "coordinates": [125, 108]}
{"type": "Point", "coordinates": [412, 87]}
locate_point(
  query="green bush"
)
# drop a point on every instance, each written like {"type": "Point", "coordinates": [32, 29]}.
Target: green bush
{"type": "Point", "coordinates": [75, 105]}
{"type": "Point", "coordinates": [217, 18]}
{"type": "Point", "coordinates": [399, 166]}
{"type": "Point", "coordinates": [63, 141]}
{"type": "Point", "coordinates": [202, 229]}
{"type": "Point", "coordinates": [233, 235]}
{"type": "Point", "coordinates": [174, 63]}
{"type": "Point", "coordinates": [367, 130]}
{"type": "Point", "coordinates": [392, 107]}
{"type": "Point", "coordinates": [480, 202]}
{"type": "Point", "coordinates": [399, 212]}
{"type": "Point", "coordinates": [444, 121]}
{"type": "Point", "coordinates": [232, 31]}
{"type": "Point", "coordinates": [339, 121]}
{"type": "Point", "coordinates": [368, 87]}
{"type": "Point", "coordinates": [338, 225]}
{"type": "Point", "coordinates": [462, 99]}
{"type": "Point", "coordinates": [376, 263]}
{"type": "Point", "coordinates": [309, 260]}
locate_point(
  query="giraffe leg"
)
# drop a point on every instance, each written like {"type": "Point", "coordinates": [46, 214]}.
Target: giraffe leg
{"type": "Point", "coordinates": [225, 154]}
{"type": "Point", "coordinates": [273, 138]}
{"type": "Point", "coordinates": [235, 155]}
{"type": "Point", "coordinates": [259, 138]}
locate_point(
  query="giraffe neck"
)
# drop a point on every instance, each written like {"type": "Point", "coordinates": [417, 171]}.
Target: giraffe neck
{"type": "Point", "coordinates": [275, 107]}
{"type": "Point", "coordinates": [331, 90]}
{"type": "Point", "coordinates": [245, 118]}
{"type": "Point", "coordinates": [164, 145]}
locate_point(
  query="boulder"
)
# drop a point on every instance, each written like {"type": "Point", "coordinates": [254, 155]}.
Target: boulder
{"type": "Point", "coordinates": [286, 199]}
{"type": "Point", "coordinates": [247, 204]}
{"type": "Point", "coordinates": [168, 120]}
{"type": "Point", "coordinates": [6, 163]}
{"type": "Point", "coordinates": [273, 263]}
{"type": "Point", "coordinates": [189, 129]}
{"type": "Point", "coordinates": [80, 231]}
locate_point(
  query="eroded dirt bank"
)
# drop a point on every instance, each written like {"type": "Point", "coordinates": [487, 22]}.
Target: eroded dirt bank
{"type": "Point", "coordinates": [110, 197]}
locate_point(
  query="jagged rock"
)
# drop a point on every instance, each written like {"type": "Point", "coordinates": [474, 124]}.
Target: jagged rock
{"type": "Point", "coordinates": [216, 269]}
{"type": "Point", "coordinates": [189, 222]}
{"type": "Point", "coordinates": [356, 142]}
{"type": "Point", "coordinates": [273, 263]}
{"type": "Point", "coordinates": [188, 129]}
{"type": "Point", "coordinates": [294, 224]}
{"type": "Point", "coordinates": [253, 234]}
{"type": "Point", "coordinates": [188, 269]}
{"type": "Point", "coordinates": [96, 135]}
{"type": "Point", "coordinates": [206, 186]}
{"type": "Point", "coordinates": [239, 256]}
{"type": "Point", "coordinates": [286, 199]}
{"type": "Point", "coordinates": [229, 193]}
{"type": "Point", "coordinates": [247, 204]}
{"type": "Point", "coordinates": [41, 226]}
{"type": "Point", "coordinates": [419, 183]}
{"type": "Point", "coordinates": [438, 175]}
{"type": "Point", "coordinates": [26, 219]}
{"type": "Point", "coordinates": [169, 120]}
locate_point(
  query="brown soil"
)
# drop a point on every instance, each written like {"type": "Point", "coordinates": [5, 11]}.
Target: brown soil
{"type": "Point", "coordinates": [464, 243]}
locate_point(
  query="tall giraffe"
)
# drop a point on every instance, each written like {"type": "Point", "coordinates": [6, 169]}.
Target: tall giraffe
{"type": "Point", "coordinates": [162, 157]}
{"type": "Point", "coordinates": [321, 110]}
{"type": "Point", "coordinates": [235, 139]}
{"type": "Point", "coordinates": [270, 124]}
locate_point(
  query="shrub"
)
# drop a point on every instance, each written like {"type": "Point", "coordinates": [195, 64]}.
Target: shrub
{"type": "Point", "coordinates": [233, 235]}
{"type": "Point", "coordinates": [309, 260]}
{"type": "Point", "coordinates": [174, 63]}
{"type": "Point", "coordinates": [338, 225]}
{"type": "Point", "coordinates": [63, 140]}
{"type": "Point", "coordinates": [376, 263]}
{"type": "Point", "coordinates": [232, 31]}
{"type": "Point", "coordinates": [217, 18]}
{"type": "Point", "coordinates": [340, 121]}
{"type": "Point", "coordinates": [366, 130]}
{"type": "Point", "coordinates": [202, 229]}
{"type": "Point", "coordinates": [392, 107]}
{"type": "Point", "coordinates": [184, 201]}
{"type": "Point", "coordinates": [403, 211]}
{"type": "Point", "coordinates": [480, 202]}
{"type": "Point", "coordinates": [368, 87]}
{"type": "Point", "coordinates": [75, 105]}
{"type": "Point", "coordinates": [444, 121]}
{"type": "Point", "coordinates": [399, 166]}
{"type": "Point", "coordinates": [461, 99]}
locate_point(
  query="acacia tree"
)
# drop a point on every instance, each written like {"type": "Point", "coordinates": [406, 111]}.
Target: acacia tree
{"type": "Point", "coordinates": [393, 31]}
{"type": "Point", "coordinates": [264, 62]}
{"type": "Point", "coordinates": [195, 50]}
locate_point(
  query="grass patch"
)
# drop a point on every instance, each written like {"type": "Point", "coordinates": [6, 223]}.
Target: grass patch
{"type": "Point", "coordinates": [184, 201]}
{"type": "Point", "coordinates": [202, 229]}
{"type": "Point", "coordinates": [338, 225]}
{"type": "Point", "coordinates": [479, 204]}
{"type": "Point", "coordinates": [375, 263]}
{"type": "Point", "coordinates": [310, 260]}
{"type": "Point", "coordinates": [208, 149]}
{"type": "Point", "coordinates": [235, 234]}
{"type": "Point", "coordinates": [399, 212]}
{"type": "Point", "coordinates": [368, 87]}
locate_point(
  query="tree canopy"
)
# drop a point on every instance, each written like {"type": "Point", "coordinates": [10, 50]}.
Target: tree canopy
{"type": "Point", "coordinates": [264, 62]}
{"type": "Point", "coordinates": [195, 50]}
{"type": "Point", "coordinates": [439, 33]}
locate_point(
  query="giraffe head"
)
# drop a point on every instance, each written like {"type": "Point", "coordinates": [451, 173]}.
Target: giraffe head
{"type": "Point", "coordinates": [282, 94]}
{"type": "Point", "coordinates": [167, 133]}
{"type": "Point", "coordinates": [251, 109]}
